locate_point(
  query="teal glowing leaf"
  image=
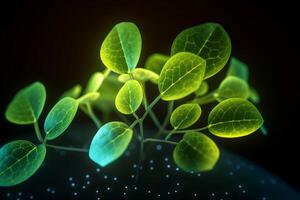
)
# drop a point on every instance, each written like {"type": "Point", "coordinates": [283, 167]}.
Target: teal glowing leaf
{"type": "Point", "coordinates": [182, 75]}
{"type": "Point", "coordinates": [94, 82]}
{"type": "Point", "coordinates": [27, 104]}
{"type": "Point", "coordinates": [254, 96]}
{"type": "Point", "coordinates": [209, 41]}
{"type": "Point", "coordinates": [234, 117]}
{"type": "Point", "coordinates": [156, 62]}
{"type": "Point", "coordinates": [73, 92]}
{"type": "Point", "coordinates": [110, 142]}
{"type": "Point", "coordinates": [196, 153]}
{"type": "Point", "coordinates": [130, 97]}
{"type": "Point", "coordinates": [232, 87]}
{"type": "Point", "coordinates": [185, 115]}
{"type": "Point", "coordinates": [88, 98]}
{"type": "Point", "coordinates": [60, 117]}
{"type": "Point", "coordinates": [121, 49]}
{"type": "Point", "coordinates": [141, 75]}
{"type": "Point", "coordinates": [202, 90]}
{"type": "Point", "coordinates": [238, 68]}
{"type": "Point", "coordinates": [19, 160]}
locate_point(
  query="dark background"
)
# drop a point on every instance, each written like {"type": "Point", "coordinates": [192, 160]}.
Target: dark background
{"type": "Point", "coordinates": [58, 43]}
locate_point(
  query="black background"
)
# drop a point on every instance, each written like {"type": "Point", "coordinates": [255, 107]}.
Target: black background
{"type": "Point", "coordinates": [58, 43]}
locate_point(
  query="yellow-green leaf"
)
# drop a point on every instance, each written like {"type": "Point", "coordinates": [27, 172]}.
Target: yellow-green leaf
{"type": "Point", "coordinates": [156, 62]}
{"type": "Point", "coordinates": [73, 92]}
{"type": "Point", "coordinates": [141, 75]}
{"type": "Point", "coordinates": [185, 115]}
{"type": "Point", "coordinates": [88, 98]}
{"type": "Point", "coordinates": [202, 90]}
{"type": "Point", "coordinates": [238, 68]}
{"type": "Point", "coordinates": [94, 82]}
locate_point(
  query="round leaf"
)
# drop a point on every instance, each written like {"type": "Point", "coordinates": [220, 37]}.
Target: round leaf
{"type": "Point", "coordinates": [130, 97]}
{"type": "Point", "coordinates": [110, 142]}
{"type": "Point", "coordinates": [121, 49]}
{"type": "Point", "coordinates": [196, 153]}
{"type": "Point", "coordinates": [60, 117]}
{"type": "Point", "coordinates": [156, 62]}
{"type": "Point", "coordinates": [234, 117]}
{"type": "Point", "coordinates": [27, 104]}
{"type": "Point", "coordinates": [181, 76]}
{"type": "Point", "coordinates": [185, 115]}
{"type": "Point", "coordinates": [19, 160]}
{"type": "Point", "coordinates": [94, 82]}
{"type": "Point", "coordinates": [140, 74]}
{"type": "Point", "coordinates": [88, 98]}
{"type": "Point", "coordinates": [73, 92]}
{"type": "Point", "coordinates": [238, 68]}
{"type": "Point", "coordinates": [232, 87]}
{"type": "Point", "coordinates": [202, 90]}
{"type": "Point", "coordinates": [209, 41]}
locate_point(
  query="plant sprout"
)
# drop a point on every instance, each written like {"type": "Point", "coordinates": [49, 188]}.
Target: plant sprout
{"type": "Point", "coordinates": [197, 54]}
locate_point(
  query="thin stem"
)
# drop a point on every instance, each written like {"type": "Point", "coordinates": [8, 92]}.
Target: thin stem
{"type": "Point", "coordinates": [151, 113]}
{"type": "Point", "coordinates": [191, 130]}
{"type": "Point", "coordinates": [161, 141]}
{"type": "Point", "coordinates": [141, 137]}
{"type": "Point", "coordinates": [209, 98]}
{"type": "Point", "coordinates": [170, 134]}
{"type": "Point", "coordinates": [92, 115]}
{"type": "Point", "coordinates": [106, 73]}
{"type": "Point", "coordinates": [67, 148]}
{"type": "Point", "coordinates": [38, 132]}
{"type": "Point", "coordinates": [166, 120]}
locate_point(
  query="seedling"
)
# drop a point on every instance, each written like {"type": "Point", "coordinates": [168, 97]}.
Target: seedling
{"type": "Point", "coordinates": [197, 54]}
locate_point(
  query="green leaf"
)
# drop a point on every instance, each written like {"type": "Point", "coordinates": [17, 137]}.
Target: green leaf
{"type": "Point", "coordinates": [110, 142]}
{"type": "Point", "coordinates": [19, 160]}
{"type": "Point", "coordinates": [234, 117]}
{"type": "Point", "coordinates": [196, 153]}
{"type": "Point", "coordinates": [60, 117]}
{"type": "Point", "coordinates": [254, 96]}
{"type": "Point", "coordinates": [182, 75]}
{"type": "Point", "coordinates": [209, 41]}
{"type": "Point", "coordinates": [73, 92]}
{"type": "Point", "coordinates": [94, 82]}
{"type": "Point", "coordinates": [130, 97]}
{"type": "Point", "coordinates": [141, 75]}
{"type": "Point", "coordinates": [156, 62]}
{"type": "Point", "coordinates": [185, 115]}
{"type": "Point", "coordinates": [121, 49]}
{"type": "Point", "coordinates": [27, 104]}
{"type": "Point", "coordinates": [202, 90]}
{"type": "Point", "coordinates": [238, 68]}
{"type": "Point", "coordinates": [88, 98]}
{"type": "Point", "coordinates": [232, 87]}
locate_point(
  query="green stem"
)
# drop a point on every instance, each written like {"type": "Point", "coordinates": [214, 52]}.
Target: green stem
{"type": "Point", "coordinates": [161, 141]}
{"type": "Point", "coordinates": [167, 118]}
{"type": "Point", "coordinates": [141, 137]}
{"type": "Point", "coordinates": [106, 73]}
{"type": "Point", "coordinates": [191, 130]}
{"type": "Point", "coordinates": [209, 98]}
{"type": "Point", "coordinates": [170, 134]}
{"type": "Point", "coordinates": [38, 132]}
{"type": "Point", "coordinates": [151, 113]}
{"type": "Point", "coordinates": [67, 148]}
{"type": "Point", "coordinates": [92, 115]}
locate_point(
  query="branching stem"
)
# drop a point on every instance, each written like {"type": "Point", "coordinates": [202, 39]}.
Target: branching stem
{"type": "Point", "coordinates": [67, 148]}
{"type": "Point", "coordinates": [38, 132]}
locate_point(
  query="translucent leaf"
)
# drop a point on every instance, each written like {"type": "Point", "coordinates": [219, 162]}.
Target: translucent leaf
{"type": "Point", "coordinates": [196, 153]}
{"type": "Point", "coordinates": [130, 97]}
{"type": "Point", "coordinates": [209, 41]}
{"type": "Point", "coordinates": [88, 98]}
{"type": "Point", "coordinates": [182, 75]}
{"type": "Point", "coordinates": [202, 90]}
{"type": "Point", "coordinates": [234, 117]}
{"type": "Point", "coordinates": [185, 115]}
{"type": "Point", "coordinates": [19, 160]}
{"type": "Point", "coordinates": [232, 87]}
{"type": "Point", "coordinates": [94, 82]}
{"type": "Point", "coordinates": [156, 62]}
{"type": "Point", "coordinates": [110, 142]}
{"type": "Point", "coordinates": [60, 117]}
{"type": "Point", "coordinates": [121, 49]}
{"type": "Point", "coordinates": [27, 104]}
{"type": "Point", "coordinates": [238, 68]}
{"type": "Point", "coordinates": [141, 75]}
{"type": "Point", "coordinates": [254, 96]}
{"type": "Point", "coordinates": [73, 92]}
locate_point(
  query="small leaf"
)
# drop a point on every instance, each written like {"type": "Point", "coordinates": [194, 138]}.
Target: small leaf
{"type": "Point", "coordinates": [73, 92]}
{"type": "Point", "coordinates": [19, 160]}
{"type": "Point", "coordinates": [196, 153]}
{"type": "Point", "coordinates": [110, 142]}
{"type": "Point", "coordinates": [27, 104]}
{"type": "Point", "coordinates": [182, 75]}
{"type": "Point", "coordinates": [232, 87]}
{"type": "Point", "coordinates": [88, 98]}
{"type": "Point", "coordinates": [202, 90]}
{"type": "Point", "coordinates": [238, 68]}
{"type": "Point", "coordinates": [254, 96]}
{"type": "Point", "coordinates": [130, 97]}
{"type": "Point", "coordinates": [156, 62]}
{"type": "Point", "coordinates": [209, 41]}
{"type": "Point", "coordinates": [60, 117]}
{"type": "Point", "coordinates": [121, 49]}
{"type": "Point", "coordinates": [185, 115]}
{"type": "Point", "coordinates": [94, 82]}
{"type": "Point", "coordinates": [141, 75]}
{"type": "Point", "coordinates": [234, 117]}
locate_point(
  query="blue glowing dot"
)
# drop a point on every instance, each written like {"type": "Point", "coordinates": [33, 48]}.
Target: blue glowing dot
{"type": "Point", "coordinates": [70, 178]}
{"type": "Point", "coordinates": [244, 191]}
{"type": "Point", "coordinates": [126, 187]}
{"type": "Point", "coordinates": [20, 193]}
{"type": "Point", "coordinates": [231, 173]}
{"type": "Point", "coordinates": [97, 191]}
{"type": "Point", "coordinates": [134, 165]}
{"type": "Point", "coordinates": [151, 168]}
{"type": "Point", "coordinates": [158, 147]}
{"type": "Point", "coordinates": [226, 193]}
{"type": "Point", "coordinates": [158, 195]}
{"type": "Point", "coordinates": [31, 197]}
{"type": "Point", "coordinates": [264, 198]}
{"type": "Point", "coordinates": [108, 188]}
{"type": "Point", "coordinates": [115, 178]}
{"type": "Point", "coordinates": [135, 188]}
{"type": "Point", "coordinates": [124, 193]}
{"type": "Point", "coordinates": [167, 176]}
{"type": "Point", "coordinates": [177, 184]}
{"type": "Point", "coordinates": [52, 191]}
{"type": "Point", "coordinates": [132, 176]}
{"type": "Point", "coordinates": [18, 199]}
{"type": "Point", "coordinates": [239, 186]}
{"type": "Point", "coordinates": [149, 191]}
{"type": "Point", "coordinates": [73, 184]}
{"type": "Point", "coordinates": [195, 194]}
{"type": "Point", "coordinates": [175, 191]}
{"type": "Point", "coordinates": [151, 161]}
{"type": "Point", "coordinates": [177, 169]}
{"type": "Point", "coordinates": [88, 182]}
{"type": "Point", "coordinates": [98, 170]}
{"type": "Point", "coordinates": [48, 189]}
{"type": "Point", "coordinates": [87, 176]}
{"type": "Point", "coordinates": [169, 193]}
{"type": "Point", "coordinates": [83, 187]}
{"type": "Point", "coordinates": [8, 194]}
{"type": "Point", "coordinates": [168, 166]}
{"type": "Point", "coordinates": [213, 194]}
{"type": "Point", "coordinates": [198, 174]}
{"type": "Point", "coordinates": [75, 193]}
{"type": "Point", "coordinates": [98, 198]}
{"type": "Point", "coordinates": [166, 159]}
{"type": "Point", "coordinates": [105, 177]}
